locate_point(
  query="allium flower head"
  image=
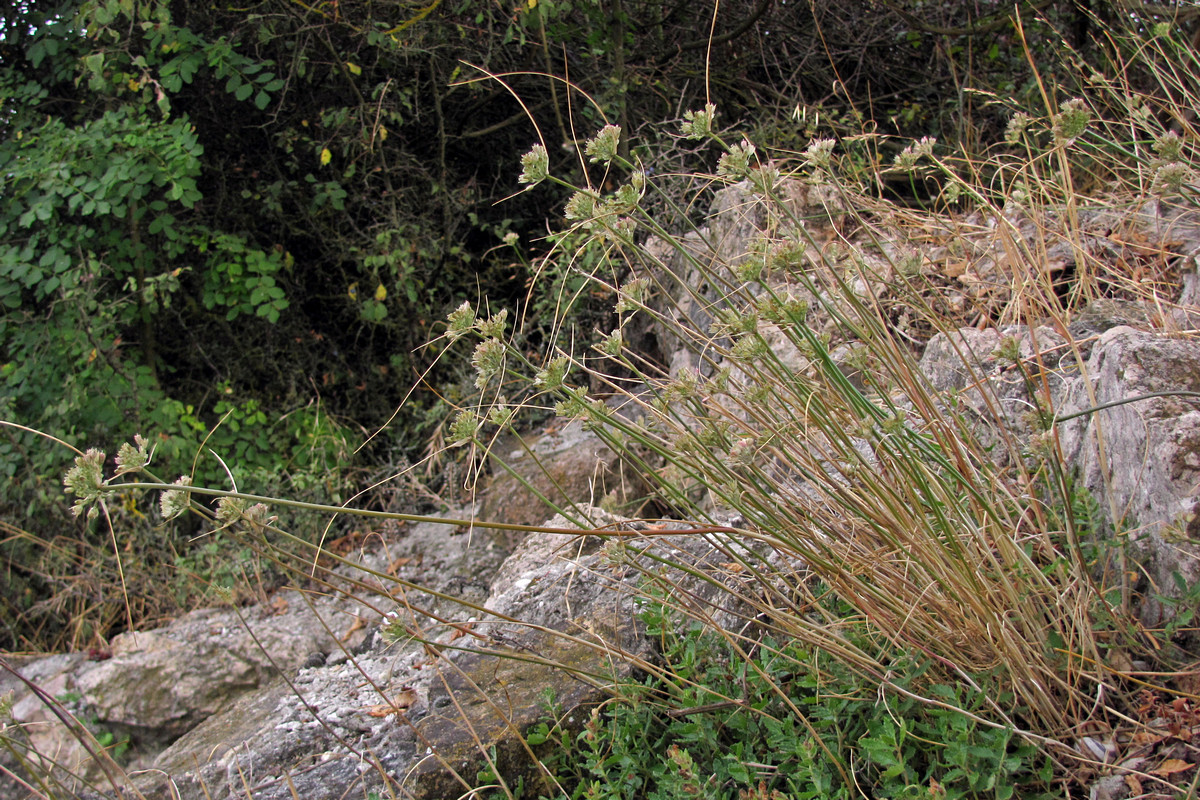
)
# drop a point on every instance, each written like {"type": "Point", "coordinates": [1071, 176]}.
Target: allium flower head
{"type": "Point", "coordinates": [633, 295]}
{"type": "Point", "coordinates": [612, 344]}
{"type": "Point", "coordinates": [819, 153]}
{"type": "Point", "coordinates": [581, 207]}
{"type": "Point", "coordinates": [535, 165]}
{"type": "Point", "coordinates": [461, 319]}
{"type": "Point", "coordinates": [85, 480]}
{"type": "Point", "coordinates": [494, 327]}
{"type": "Point", "coordinates": [1016, 127]}
{"type": "Point", "coordinates": [464, 427]}
{"type": "Point", "coordinates": [603, 148]}
{"type": "Point", "coordinates": [735, 164]}
{"type": "Point", "coordinates": [488, 361]}
{"type": "Point", "coordinates": [174, 502]}
{"type": "Point", "coordinates": [1169, 146]}
{"type": "Point", "coordinates": [552, 376]}
{"type": "Point", "coordinates": [132, 457]}
{"type": "Point", "coordinates": [1071, 121]}
{"type": "Point", "coordinates": [699, 124]}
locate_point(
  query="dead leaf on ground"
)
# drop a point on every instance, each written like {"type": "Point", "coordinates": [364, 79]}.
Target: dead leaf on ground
{"type": "Point", "coordinates": [403, 561]}
{"type": "Point", "coordinates": [358, 624]}
{"type": "Point", "coordinates": [1172, 766]}
{"type": "Point", "coordinates": [401, 702]}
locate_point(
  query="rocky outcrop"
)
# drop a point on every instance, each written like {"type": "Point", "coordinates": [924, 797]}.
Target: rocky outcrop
{"type": "Point", "coordinates": [1140, 458]}
{"type": "Point", "coordinates": [441, 689]}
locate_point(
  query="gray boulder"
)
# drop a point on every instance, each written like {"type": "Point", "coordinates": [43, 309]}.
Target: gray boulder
{"type": "Point", "coordinates": [1141, 460]}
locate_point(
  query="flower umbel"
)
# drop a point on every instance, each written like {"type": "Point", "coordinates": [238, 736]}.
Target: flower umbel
{"type": "Point", "coordinates": [736, 163]}
{"type": "Point", "coordinates": [1171, 178]}
{"type": "Point", "coordinates": [461, 319]}
{"type": "Point", "coordinates": [603, 148]}
{"type": "Point", "coordinates": [1071, 121]}
{"type": "Point", "coordinates": [633, 295]}
{"type": "Point", "coordinates": [131, 458]}
{"type": "Point", "coordinates": [581, 207]}
{"type": "Point", "coordinates": [819, 153]}
{"type": "Point", "coordinates": [535, 165]}
{"type": "Point", "coordinates": [552, 376]}
{"type": "Point", "coordinates": [495, 325]}
{"type": "Point", "coordinates": [1016, 127]}
{"type": "Point", "coordinates": [174, 501]}
{"type": "Point", "coordinates": [488, 361]}
{"type": "Point", "coordinates": [699, 124]}
{"type": "Point", "coordinates": [612, 344]}
{"type": "Point", "coordinates": [85, 480]}
{"type": "Point", "coordinates": [908, 158]}
{"type": "Point", "coordinates": [464, 427]}
{"type": "Point", "coordinates": [1169, 146]}
{"type": "Point", "coordinates": [501, 415]}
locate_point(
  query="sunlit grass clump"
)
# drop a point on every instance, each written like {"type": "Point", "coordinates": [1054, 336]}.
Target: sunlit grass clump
{"type": "Point", "coordinates": [785, 401]}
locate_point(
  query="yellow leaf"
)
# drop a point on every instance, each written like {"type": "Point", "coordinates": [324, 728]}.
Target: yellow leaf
{"type": "Point", "coordinates": [382, 134]}
{"type": "Point", "coordinates": [353, 291]}
{"type": "Point", "coordinates": [532, 4]}
{"type": "Point", "coordinates": [326, 156]}
{"type": "Point", "coordinates": [355, 69]}
{"type": "Point", "coordinates": [92, 356]}
{"type": "Point", "coordinates": [381, 293]}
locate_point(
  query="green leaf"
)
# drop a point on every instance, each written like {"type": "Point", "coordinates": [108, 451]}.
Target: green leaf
{"type": "Point", "coordinates": [94, 63]}
{"type": "Point", "coordinates": [262, 100]}
{"type": "Point", "coordinates": [244, 91]}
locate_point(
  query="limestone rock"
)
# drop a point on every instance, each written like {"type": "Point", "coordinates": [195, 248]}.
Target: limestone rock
{"type": "Point", "coordinates": [970, 374]}
{"type": "Point", "coordinates": [566, 465]}
{"type": "Point", "coordinates": [1141, 460]}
